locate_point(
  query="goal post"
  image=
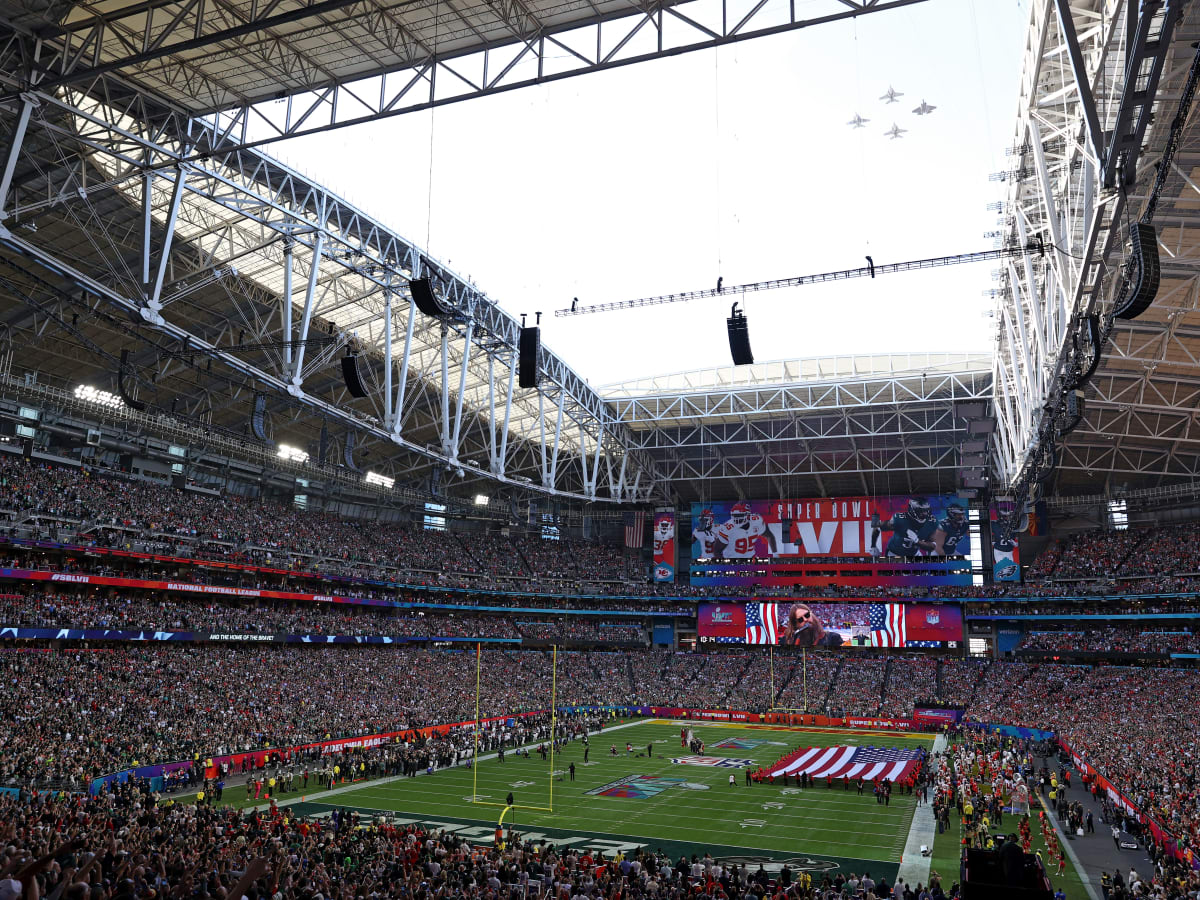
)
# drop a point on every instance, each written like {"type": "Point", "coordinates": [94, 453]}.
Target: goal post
{"type": "Point", "coordinates": [475, 801]}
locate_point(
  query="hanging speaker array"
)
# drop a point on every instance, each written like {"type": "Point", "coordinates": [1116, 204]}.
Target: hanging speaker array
{"type": "Point", "coordinates": [739, 338]}
{"type": "Point", "coordinates": [128, 398]}
{"type": "Point", "coordinates": [426, 299]}
{"type": "Point", "coordinates": [352, 377]}
{"type": "Point", "coordinates": [527, 359]}
{"type": "Point", "coordinates": [258, 418]}
{"type": "Point", "coordinates": [1139, 289]}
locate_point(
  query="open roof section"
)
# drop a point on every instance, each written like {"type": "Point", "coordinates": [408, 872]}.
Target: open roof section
{"type": "Point", "coordinates": [816, 427]}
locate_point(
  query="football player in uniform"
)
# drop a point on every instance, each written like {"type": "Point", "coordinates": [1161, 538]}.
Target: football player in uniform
{"type": "Point", "coordinates": [912, 530]}
{"type": "Point", "coordinates": [705, 534]}
{"type": "Point", "coordinates": [738, 538]}
{"type": "Point", "coordinates": [664, 540]}
{"type": "Point", "coordinates": [951, 530]}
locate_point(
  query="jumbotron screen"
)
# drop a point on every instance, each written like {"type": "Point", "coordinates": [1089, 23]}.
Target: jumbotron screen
{"type": "Point", "coordinates": [822, 624]}
{"type": "Point", "coordinates": [876, 541]}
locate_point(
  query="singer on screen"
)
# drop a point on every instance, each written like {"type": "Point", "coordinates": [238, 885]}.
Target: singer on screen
{"type": "Point", "coordinates": [804, 629]}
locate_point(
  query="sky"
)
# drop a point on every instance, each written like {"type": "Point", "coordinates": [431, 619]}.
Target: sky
{"type": "Point", "coordinates": [736, 163]}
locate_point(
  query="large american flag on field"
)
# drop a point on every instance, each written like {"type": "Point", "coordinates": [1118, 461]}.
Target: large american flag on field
{"type": "Point", "coordinates": [868, 763]}
{"type": "Point", "coordinates": [762, 623]}
{"type": "Point", "coordinates": [886, 621]}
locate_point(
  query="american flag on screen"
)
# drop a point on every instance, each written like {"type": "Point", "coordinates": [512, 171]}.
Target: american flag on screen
{"type": "Point", "coordinates": [868, 763]}
{"type": "Point", "coordinates": [887, 625]}
{"type": "Point", "coordinates": [762, 623]}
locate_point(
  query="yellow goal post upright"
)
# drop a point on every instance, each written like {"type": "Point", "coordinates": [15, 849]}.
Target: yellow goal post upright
{"type": "Point", "coordinates": [478, 724]}
{"type": "Point", "coordinates": [791, 710]}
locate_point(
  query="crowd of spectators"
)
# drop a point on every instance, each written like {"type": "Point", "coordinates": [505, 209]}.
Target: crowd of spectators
{"type": "Point", "coordinates": [1114, 638]}
{"type": "Point", "coordinates": [131, 610]}
{"type": "Point", "coordinates": [102, 509]}
{"type": "Point", "coordinates": [119, 848]}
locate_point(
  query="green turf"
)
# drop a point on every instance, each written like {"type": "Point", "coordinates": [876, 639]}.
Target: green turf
{"type": "Point", "coordinates": [832, 828]}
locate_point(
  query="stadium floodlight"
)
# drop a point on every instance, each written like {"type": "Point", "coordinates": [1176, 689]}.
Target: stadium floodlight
{"type": "Point", "coordinates": [381, 480]}
{"type": "Point", "coordinates": [292, 454]}
{"type": "Point", "coordinates": [100, 398]}
{"type": "Point", "coordinates": [481, 499]}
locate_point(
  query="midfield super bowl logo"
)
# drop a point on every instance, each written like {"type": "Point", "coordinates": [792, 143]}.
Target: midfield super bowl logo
{"type": "Point", "coordinates": [719, 762]}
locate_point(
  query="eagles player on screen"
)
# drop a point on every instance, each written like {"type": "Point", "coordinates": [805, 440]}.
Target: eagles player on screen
{"type": "Point", "coordinates": [912, 530]}
{"type": "Point", "coordinates": [738, 538]}
{"type": "Point", "coordinates": [950, 531]}
{"type": "Point", "coordinates": [705, 534]}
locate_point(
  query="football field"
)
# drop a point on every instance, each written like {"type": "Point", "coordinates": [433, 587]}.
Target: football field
{"type": "Point", "coordinates": [663, 796]}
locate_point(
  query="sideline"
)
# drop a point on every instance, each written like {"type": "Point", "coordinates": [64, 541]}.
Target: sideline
{"type": "Point", "coordinates": [1066, 845]}
{"type": "Point", "coordinates": [914, 868]}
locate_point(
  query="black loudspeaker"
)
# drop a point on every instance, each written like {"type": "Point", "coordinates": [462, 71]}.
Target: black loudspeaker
{"type": "Point", "coordinates": [323, 445]}
{"type": "Point", "coordinates": [178, 481]}
{"type": "Point", "coordinates": [258, 418]}
{"type": "Point", "coordinates": [27, 448]}
{"type": "Point", "coordinates": [348, 451]}
{"type": "Point", "coordinates": [527, 370]}
{"type": "Point", "coordinates": [426, 300]}
{"type": "Point", "coordinates": [739, 338]}
{"type": "Point", "coordinates": [136, 405]}
{"type": "Point", "coordinates": [985, 876]}
{"type": "Point", "coordinates": [350, 373]}
{"type": "Point", "coordinates": [1143, 252]}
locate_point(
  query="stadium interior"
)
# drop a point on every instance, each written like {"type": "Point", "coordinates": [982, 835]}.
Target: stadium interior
{"type": "Point", "coordinates": [325, 578]}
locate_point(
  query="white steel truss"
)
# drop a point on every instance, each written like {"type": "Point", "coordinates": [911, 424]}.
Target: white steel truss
{"type": "Point", "coordinates": [1084, 146]}
{"type": "Point", "coordinates": [242, 73]}
{"type": "Point", "coordinates": [269, 255]}
{"type": "Point", "coordinates": [812, 425]}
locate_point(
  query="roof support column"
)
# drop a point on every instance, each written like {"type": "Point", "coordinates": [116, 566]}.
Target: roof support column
{"type": "Point", "coordinates": [310, 296]}
{"type": "Point", "coordinates": [502, 455]}
{"type": "Point", "coordinates": [14, 151]}
{"type": "Point", "coordinates": [289, 252]}
{"type": "Point", "coordinates": [553, 475]}
{"type": "Point", "coordinates": [387, 357]}
{"type": "Point", "coordinates": [154, 302]}
{"type": "Point", "coordinates": [445, 420]}
{"type": "Point", "coordinates": [398, 409]}
{"type": "Point", "coordinates": [462, 389]}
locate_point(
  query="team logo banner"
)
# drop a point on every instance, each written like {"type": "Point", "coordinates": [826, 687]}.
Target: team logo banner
{"type": "Point", "coordinates": [664, 545]}
{"type": "Point", "coordinates": [1006, 559]}
{"type": "Point", "coordinates": [719, 762]}
{"type": "Point", "coordinates": [823, 624]}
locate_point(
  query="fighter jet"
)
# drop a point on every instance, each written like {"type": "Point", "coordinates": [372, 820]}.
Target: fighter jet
{"type": "Point", "coordinates": [924, 109]}
{"type": "Point", "coordinates": [895, 131]}
{"type": "Point", "coordinates": [891, 95]}
{"type": "Point", "coordinates": [858, 121]}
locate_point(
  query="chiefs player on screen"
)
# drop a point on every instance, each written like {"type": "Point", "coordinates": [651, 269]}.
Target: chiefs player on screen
{"type": "Point", "coordinates": [738, 538]}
